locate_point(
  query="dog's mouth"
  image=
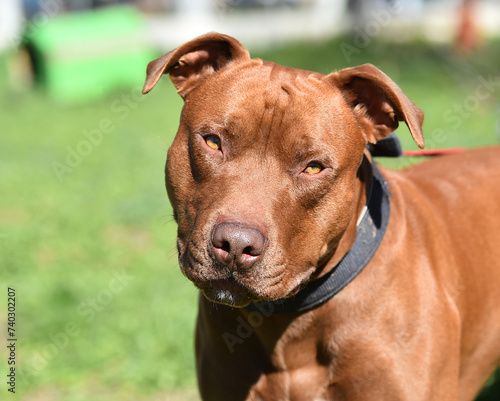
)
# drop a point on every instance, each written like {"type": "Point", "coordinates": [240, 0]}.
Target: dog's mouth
{"type": "Point", "coordinates": [228, 291]}
{"type": "Point", "coordinates": [222, 284]}
{"type": "Point", "coordinates": [240, 288]}
{"type": "Point", "coordinates": [234, 292]}
{"type": "Point", "coordinates": [218, 283]}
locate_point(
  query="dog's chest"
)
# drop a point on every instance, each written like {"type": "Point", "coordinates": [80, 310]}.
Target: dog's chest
{"type": "Point", "coordinates": [302, 372]}
{"type": "Point", "coordinates": [308, 383]}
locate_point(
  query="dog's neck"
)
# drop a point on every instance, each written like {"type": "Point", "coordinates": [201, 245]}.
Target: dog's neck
{"type": "Point", "coordinates": [340, 248]}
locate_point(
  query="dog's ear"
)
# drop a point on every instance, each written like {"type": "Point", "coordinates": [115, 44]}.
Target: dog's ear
{"type": "Point", "coordinates": [195, 60]}
{"type": "Point", "coordinates": [378, 103]}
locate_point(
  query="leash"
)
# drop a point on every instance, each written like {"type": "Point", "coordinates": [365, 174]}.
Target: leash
{"type": "Point", "coordinates": [390, 146]}
{"type": "Point", "coordinates": [433, 152]}
{"type": "Point", "coordinates": [374, 220]}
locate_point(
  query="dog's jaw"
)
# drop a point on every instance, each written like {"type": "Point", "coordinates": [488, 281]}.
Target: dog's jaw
{"type": "Point", "coordinates": [239, 289]}
{"type": "Point", "coordinates": [227, 291]}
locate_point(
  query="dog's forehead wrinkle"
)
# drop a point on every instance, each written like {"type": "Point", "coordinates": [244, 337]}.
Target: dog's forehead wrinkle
{"type": "Point", "coordinates": [276, 89]}
{"type": "Point", "coordinates": [284, 88]}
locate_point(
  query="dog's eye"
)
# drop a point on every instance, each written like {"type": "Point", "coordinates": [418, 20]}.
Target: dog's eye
{"type": "Point", "coordinates": [313, 168]}
{"type": "Point", "coordinates": [213, 142]}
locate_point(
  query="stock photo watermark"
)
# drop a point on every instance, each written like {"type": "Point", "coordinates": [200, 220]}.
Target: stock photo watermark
{"type": "Point", "coordinates": [362, 37]}
{"type": "Point", "coordinates": [463, 110]}
{"type": "Point", "coordinates": [246, 326]}
{"type": "Point", "coordinates": [93, 137]}
{"type": "Point", "coordinates": [12, 338]}
{"type": "Point", "coordinates": [88, 311]}
{"type": "Point", "coordinates": [48, 9]}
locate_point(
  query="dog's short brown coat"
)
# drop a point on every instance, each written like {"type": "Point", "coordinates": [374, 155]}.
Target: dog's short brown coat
{"type": "Point", "coordinates": [267, 177]}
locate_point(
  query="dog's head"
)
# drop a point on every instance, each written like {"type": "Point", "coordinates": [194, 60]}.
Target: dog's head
{"type": "Point", "coordinates": [264, 173]}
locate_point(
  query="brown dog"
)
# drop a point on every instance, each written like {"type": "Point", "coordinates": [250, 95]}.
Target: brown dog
{"type": "Point", "coordinates": [277, 199]}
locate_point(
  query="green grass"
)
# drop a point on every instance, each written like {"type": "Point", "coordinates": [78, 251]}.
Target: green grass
{"type": "Point", "coordinates": [63, 241]}
{"type": "Point", "coordinates": [67, 233]}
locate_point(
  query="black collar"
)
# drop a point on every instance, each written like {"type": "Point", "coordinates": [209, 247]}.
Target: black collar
{"type": "Point", "coordinates": [374, 220]}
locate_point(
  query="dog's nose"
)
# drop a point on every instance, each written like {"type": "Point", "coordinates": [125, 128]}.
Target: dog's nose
{"type": "Point", "coordinates": [237, 246]}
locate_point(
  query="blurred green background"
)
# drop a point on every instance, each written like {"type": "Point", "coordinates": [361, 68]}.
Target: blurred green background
{"type": "Point", "coordinates": [87, 238]}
